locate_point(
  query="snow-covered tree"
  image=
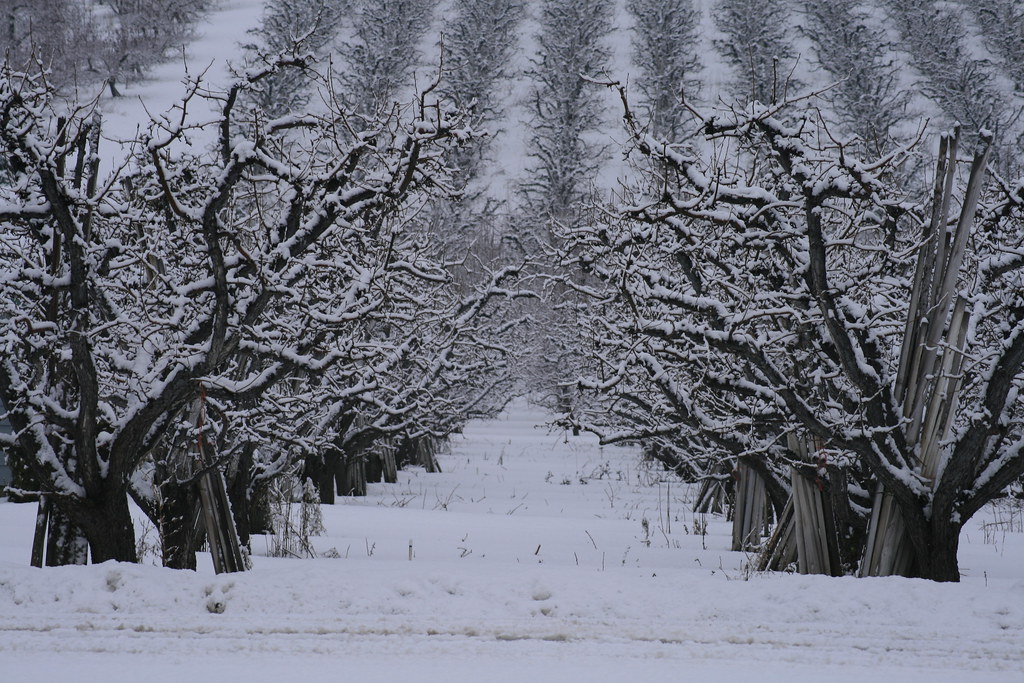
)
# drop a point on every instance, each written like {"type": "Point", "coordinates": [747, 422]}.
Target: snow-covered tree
{"type": "Point", "coordinates": [420, 357]}
{"type": "Point", "coordinates": [125, 298]}
{"type": "Point", "coordinates": [309, 24]}
{"type": "Point", "coordinates": [666, 49]}
{"type": "Point", "coordinates": [1002, 28]}
{"type": "Point", "coordinates": [384, 50]}
{"type": "Point", "coordinates": [867, 99]}
{"type": "Point", "coordinates": [758, 46]}
{"type": "Point", "coordinates": [936, 39]}
{"type": "Point", "coordinates": [106, 41]}
{"type": "Point", "coordinates": [479, 40]}
{"type": "Point", "coordinates": [760, 282]}
{"type": "Point", "coordinates": [478, 43]}
{"type": "Point", "coordinates": [565, 108]}
{"type": "Point", "coordinates": [133, 35]}
{"type": "Point", "coordinates": [42, 30]}
{"type": "Point", "coordinates": [431, 358]}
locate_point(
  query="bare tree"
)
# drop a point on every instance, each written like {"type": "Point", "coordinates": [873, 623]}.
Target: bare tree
{"type": "Point", "coordinates": [136, 34]}
{"type": "Point", "coordinates": [666, 50]}
{"type": "Point", "coordinates": [382, 53]}
{"type": "Point", "coordinates": [1002, 28]}
{"type": "Point", "coordinates": [867, 99]}
{"type": "Point", "coordinates": [306, 25]}
{"type": "Point", "coordinates": [54, 35]}
{"type": "Point", "coordinates": [479, 41]}
{"type": "Point", "coordinates": [758, 46]}
{"type": "Point", "coordinates": [935, 37]}
{"type": "Point", "coordinates": [109, 336]}
{"type": "Point", "coordinates": [108, 41]}
{"type": "Point", "coordinates": [760, 282]}
{"type": "Point", "coordinates": [565, 106]}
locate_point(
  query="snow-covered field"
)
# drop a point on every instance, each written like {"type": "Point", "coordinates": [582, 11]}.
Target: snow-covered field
{"type": "Point", "coordinates": [529, 562]}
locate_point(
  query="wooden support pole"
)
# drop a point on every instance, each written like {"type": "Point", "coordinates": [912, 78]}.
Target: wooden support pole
{"type": "Point", "coordinates": [814, 520]}
{"type": "Point", "coordinates": [220, 526]}
{"type": "Point", "coordinates": [780, 551]}
{"type": "Point", "coordinates": [931, 358]}
{"type": "Point", "coordinates": [221, 534]}
{"type": "Point", "coordinates": [749, 512]}
{"type": "Point", "coordinates": [39, 539]}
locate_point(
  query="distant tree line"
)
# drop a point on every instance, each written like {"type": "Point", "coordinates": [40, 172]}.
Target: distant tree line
{"type": "Point", "coordinates": [113, 42]}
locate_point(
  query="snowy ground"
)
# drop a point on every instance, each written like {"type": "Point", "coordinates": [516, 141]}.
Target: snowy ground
{"type": "Point", "coordinates": [210, 58]}
{"type": "Point", "coordinates": [530, 561]}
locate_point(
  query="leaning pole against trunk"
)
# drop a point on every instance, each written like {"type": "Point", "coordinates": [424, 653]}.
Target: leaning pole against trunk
{"type": "Point", "coordinates": [814, 520]}
{"type": "Point", "coordinates": [807, 533]}
{"type": "Point", "coordinates": [221, 534]}
{"type": "Point", "coordinates": [931, 356]}
{"type": "Point", "coordinates": [750, 515]}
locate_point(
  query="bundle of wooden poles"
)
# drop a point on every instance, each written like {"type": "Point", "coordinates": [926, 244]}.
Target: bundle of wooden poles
{"type": "Point", "coordinates": [932, 354]}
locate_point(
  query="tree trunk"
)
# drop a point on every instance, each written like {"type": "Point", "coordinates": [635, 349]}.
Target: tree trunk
{"type": "Point", "coordinates": [39, 538]}
{"type": "Point", "coordinates": [109, 528]}
{"type": "Point", "coordinates": [101, 525]}
{"type": "Point", "coordinates": [851, 530]}
{"type": "Point", "coordinates": [177, 525]}
{"type": "Point", "coordinates": [65, 543]}
{"type": "Point", "coordinates": [374, 468]}
{"type": "Point", "coordinates": [238, 488]}
{"type": "Point", "coordinates": [942, 565]}
{"type": "Point", "coordinates": [321, 471]}
{"type": "Point", "coordinates": [390, 469]}
{"type": "Point", "coordinates": [352, 478]}
{"type": "Point", "coordinates": [341, 478]}
{"type": "Point", "coordinates": [939, 561]}
{"type": "Point", "coordinates": [326, 485]}
{"type": "Point", "coordinates": [260, 513]}
{"type": "Point", "coordinates": [178, 509]}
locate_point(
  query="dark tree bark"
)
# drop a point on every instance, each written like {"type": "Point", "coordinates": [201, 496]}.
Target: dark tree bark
{"type": "Point", "coordinates": [177, 523]}
{"type": "Point", "coordinates": [65, 543]}
{"type": "Point", "coordinates": [239, 488]}
{"type": "Point", "coordinates": [851, 529]}
{"type": "Point", "coordinates": [374, 468]}
{"type": "Point", "coordinates": [322, 472]}
{"type": "Point", "coordinates": [107, 522]}
{"type": "Point", "coordinates": [260, 513]}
